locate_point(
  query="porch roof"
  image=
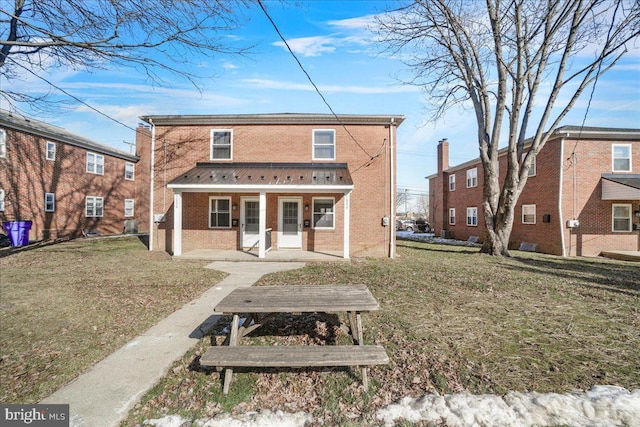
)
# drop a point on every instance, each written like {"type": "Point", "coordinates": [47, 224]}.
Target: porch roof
{"type": "Point", "coordinates": [621, 187]}
{"type": "Point", "coordinates": [269, 177]}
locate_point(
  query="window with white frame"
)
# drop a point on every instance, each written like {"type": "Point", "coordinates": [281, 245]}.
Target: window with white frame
{"type": "Point", "coordinates": [3, 143]}
{"type": "Point", "coordinates": [532, 168]}
{"type": "Point", "coordinates": [621, 217]}
{"type": "Point", "coordinates": [129, 171]}
{"type": "Point", "coordinates": [1, 200]}
{"type": "Point", "coordinates": [221, 144]}
{"type": "Point", "coordinates": [452, 216]}
{"type": "Point", "coordinates": [129, 205]}
{"type": "Point", "coordinates": [94, 206]}
{"type": "Point", "coordinates": [472, 217]}
{"type": "Point", "coordinates": [324, 213]}
{"type": "Point", "coordinates": [219, 212]}
{"type": "Point", "coordinates": [51, 150]}
{"type": "Point", "coordinates": [95, 163]}
{"type": "Point", "coordinates": [324, 144]}
{"type": "Point", "coordinates": [621, 157]}
{"type": "Point", "coordinates": [452, 182]}
{"type": "Point", "coordinates": [528, 214]}
{"type": "Point", "coordinates": [472, 177]}
{"type": "Point", "coordinates": [49, 202]}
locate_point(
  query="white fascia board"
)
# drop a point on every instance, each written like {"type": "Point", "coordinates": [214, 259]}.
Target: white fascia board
{"type": "Point", "coordinates": [202, 188]}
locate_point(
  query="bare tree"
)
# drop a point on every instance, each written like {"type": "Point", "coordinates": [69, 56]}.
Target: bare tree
{"type": "Point", "coordinates": [152, 37]}
{"type": "Point", "coordinates": [504, 58]}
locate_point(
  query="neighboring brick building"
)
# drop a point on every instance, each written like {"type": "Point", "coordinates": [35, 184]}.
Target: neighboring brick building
{"type": "Point", "coordinates": [65, 183]}
{"type": "Point", "coordinates": [582, 196]}
{"type": "Point", "coordinates": [309, 182]}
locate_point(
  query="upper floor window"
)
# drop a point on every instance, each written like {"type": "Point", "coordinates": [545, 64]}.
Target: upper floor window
{"type": "Point", "coordinates": [452, 216]}
{"type": "Point", "coordinates": [452, 182]}
{"type": "Point", "coordinates": [95, 163]}
{"type": "Point", "coordinates": [528, 214]}
{"type": "Point", "coordinates": [1, 200]}
{"type": "Point", "coordinates": [51, 150]}
{"type": "Point", "coordinates": [324, 144]}
{"type": "Point", "coordinates": [472, 216]}
{"type": "Point", "coordinates": [129, 171]}
{"type": "Point", "coordinates": [532, 168]}
{"type": "Point", "coordinates": [621, 217]}
{"type": "Point", "coordinates": [129, 205]}
{"type": "Point", "coordinates": [94, 206]}
{"type": "Point", "coordinates": [219, 212]}
{"type": "Point", "coordinates": [323, 213]}
{"type": "Point", "coordinates": [621, 157]}
{"type": "Point", "coordinates": [221, 144]}
{"type": "Point", "coordinates": [49, 202]}
{"type": "Point", "coordinates": [472, 177]}
{"type": "Point", "coordinates": [3, 143]}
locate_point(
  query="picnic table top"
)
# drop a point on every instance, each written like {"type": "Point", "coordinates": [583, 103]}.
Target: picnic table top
{"type": "Point", "coordinates": [298, 299]}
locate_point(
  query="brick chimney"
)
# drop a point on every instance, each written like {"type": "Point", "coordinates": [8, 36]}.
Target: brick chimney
{"type": "Point", "coordinates": [443, 155]}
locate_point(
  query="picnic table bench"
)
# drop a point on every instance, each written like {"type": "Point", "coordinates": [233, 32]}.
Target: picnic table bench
{"type": "Point", "coordinates": [268, 301]}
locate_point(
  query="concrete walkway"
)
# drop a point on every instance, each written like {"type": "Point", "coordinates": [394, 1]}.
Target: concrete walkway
{"type": "Point", "coordinates": [103, 396]}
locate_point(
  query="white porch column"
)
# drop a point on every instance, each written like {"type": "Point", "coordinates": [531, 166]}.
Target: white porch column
{"type": "Point", "coordinates": [262, 227]}
{"type": "Point", "coordinates": [347, 224]}
{"type": "Point", "coordinates": [177, 223]}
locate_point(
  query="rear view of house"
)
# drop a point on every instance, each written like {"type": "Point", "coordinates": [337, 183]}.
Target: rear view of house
{"type": "Point", "coordinates": [64, 183]}
{"type": "Point", "coordinates": [261, 182]}
{"type": "Point", "coordinates": [582, 195]}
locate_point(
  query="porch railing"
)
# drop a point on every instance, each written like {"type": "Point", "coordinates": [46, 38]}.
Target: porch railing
{"type": "Point", "coordinates": [267, 239]}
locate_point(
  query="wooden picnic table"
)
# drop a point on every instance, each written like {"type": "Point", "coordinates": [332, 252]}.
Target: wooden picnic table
{"type": "Point", "coordinates": [268, 301]}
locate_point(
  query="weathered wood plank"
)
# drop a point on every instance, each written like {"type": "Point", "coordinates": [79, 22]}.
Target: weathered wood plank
{"type": "Point", "coordinates": [305, 299]}
{"type": "Point", "coordinates": [294, 356]}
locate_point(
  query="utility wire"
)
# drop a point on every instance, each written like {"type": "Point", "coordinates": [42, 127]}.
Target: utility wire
{"type": "Point", "coordinates": [371, 158]}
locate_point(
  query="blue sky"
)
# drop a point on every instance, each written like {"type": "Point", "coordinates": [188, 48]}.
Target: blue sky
{"type": "Point", "coordinates": [331, 40]}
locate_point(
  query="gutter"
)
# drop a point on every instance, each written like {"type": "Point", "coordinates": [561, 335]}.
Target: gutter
{"type": "Point", "coordinates": [560, 186]}
{"type": "Point", "coordinates": [392, 199]}
{"type": "Point", "coordinates": [151, 182]}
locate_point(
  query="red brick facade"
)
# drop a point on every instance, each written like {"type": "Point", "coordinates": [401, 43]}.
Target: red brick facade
{"type": "Point", "coordinates": [367, 145]}
{"type": "Point", "coordinates": [26, 175]}
{"type": "Point", "coordinates": [567, 185]}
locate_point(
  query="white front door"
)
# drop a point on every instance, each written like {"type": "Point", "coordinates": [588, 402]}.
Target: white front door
{"type": "Point", "coordinates": [250, 222]}
{"type": "Point", "coordinates": [290, 223]}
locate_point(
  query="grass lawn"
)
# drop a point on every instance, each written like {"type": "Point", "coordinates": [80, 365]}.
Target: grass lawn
{"type": "Point", "coordinates": [66, 306]}
{"type": "Point", "coordinates": [451, 320]}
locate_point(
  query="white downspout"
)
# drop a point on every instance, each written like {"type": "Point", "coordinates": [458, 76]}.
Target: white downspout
{"type": "Point", "coordinates": [151, 181]}
{"type": "Point", "coordinates": [392, 192]}
{"type": "Point", "coordinates": [560, 187]}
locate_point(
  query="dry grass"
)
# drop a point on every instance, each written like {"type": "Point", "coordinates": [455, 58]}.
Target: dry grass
{"type": "Point", "coordinates": [64, 307]}
{"type": "Point", "coordinates": [451, 320]}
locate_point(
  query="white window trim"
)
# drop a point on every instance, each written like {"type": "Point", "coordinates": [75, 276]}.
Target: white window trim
{"type": "Point", "coordinates": [472, 177]}
{"type": "Point", "coordinates": [55, 149]}
{"type": "Point", "coordinates": [613, 158]}
{"type": "Point", "coordinates": [210, 212]}
{"type": "Point", "coordinates": [532, 169]}
{"type": "Point", "coordinates": [53, 202]}
{"type": "Point", "coordinates": [313, 144]}
{"type": "Point", "coordinates": [469, 217]}
{"type": "Point", "coordinates": [133, 171]}
{"type": "Point", "coordinates": [452, 182]}
{"type": "Point", "coordinates": [3, 143]}
{"type": "Point", "coordinates": [452, 214]}
{"type": "Point", "coordinates": [98, 160]}
{"type": "Point", "coordinates": [313, 213]}
{"type": "Point", "coordinates": [535, 217]}
{"type": "Point", "coordinates": [95, 204]}
{"type": "Point", "coordinates": [132, 202]}
{"type": "Point", "coordinates": [230, 131]}
{"type": "Point", "coordinates": [2, 200]}
{"type": "Point", "coordinates": [630, 217]}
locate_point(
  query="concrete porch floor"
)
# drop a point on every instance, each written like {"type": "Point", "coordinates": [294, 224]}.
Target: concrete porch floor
{"type": "Point", "coordinates": [272, 256]}
{"type": "Point", "coordinates": [633, 256]}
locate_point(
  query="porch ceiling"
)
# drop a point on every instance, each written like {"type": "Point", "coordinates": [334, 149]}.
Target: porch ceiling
{"type": "Point", "coordinates": [621, 187]}
{"type": "Point", "coordinates": [314, 177]}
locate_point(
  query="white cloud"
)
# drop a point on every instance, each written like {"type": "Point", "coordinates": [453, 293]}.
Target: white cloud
{"type": "Point", "coordinates": [365, 90]}
{"type": "Point", "coordinates": [362, 23]}
{"type": "Point", "coordinates": [310, 46]}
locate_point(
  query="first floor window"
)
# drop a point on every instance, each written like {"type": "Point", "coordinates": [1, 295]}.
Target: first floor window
{"type": "Point", "coordinates": [94, 206]}
{"type": "Point", "coordinates": [621, 217]}
{"type": "Point", "coordinates": [528, 214]}
{"type": "Point", "coordinates": [219, 213]}
{"type": "Point", "coordinates": [452, 216]}
{"type": "Point", "coordinates": [472, 177]}
{"type": "Point", "coordinates": [472, 216]}
{"type": "Point", "coordinates": [1, 200]}
{"type": "Point", "coordinates": [129, 171]}
{"type": "Point", "coordinates": [51, 150]}
{"type": "Point", "coordinates": [129, 205]}
{"type": "Point", "coordinates": [49, 202]}
{"type": "Point", "coordinates": [323, 213]}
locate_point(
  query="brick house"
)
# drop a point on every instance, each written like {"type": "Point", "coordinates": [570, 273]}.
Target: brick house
{"type": "Point", "coordinates": [582, 196]}
{"type": "Point", "coordinates": [307, 182]}
{"type": "Point", "coordinates": [64, 183]}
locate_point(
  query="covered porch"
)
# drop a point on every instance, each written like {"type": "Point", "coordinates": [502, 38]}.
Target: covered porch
{"type": "Point", "coordinates": [271, 256]}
